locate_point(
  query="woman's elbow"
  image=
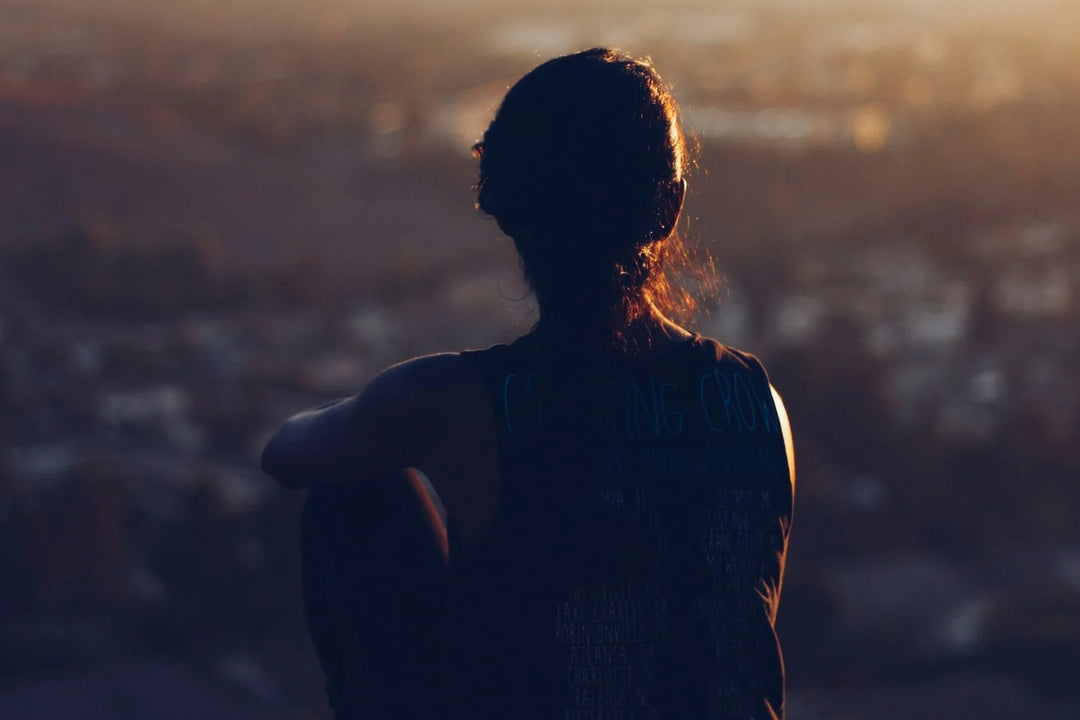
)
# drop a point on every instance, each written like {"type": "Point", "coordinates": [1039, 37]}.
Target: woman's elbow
{"type": "Point", "coordinates": [276, 459]}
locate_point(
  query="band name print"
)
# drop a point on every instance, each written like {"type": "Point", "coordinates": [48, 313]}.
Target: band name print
{"type": "Point", "coordinates": [718, 402]}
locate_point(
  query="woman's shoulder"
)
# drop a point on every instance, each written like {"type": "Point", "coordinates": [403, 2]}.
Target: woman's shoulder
{"type": "Point", "coordinates": [437, 370]}
{"type": "Point", "coordinates": [719, 353]}
{"type": "Point", "coordinates": [443, 371]}
{"type": "Point", "coordinates": [429, 372]}
{"type": "Point", "coordinates": [441, 385]}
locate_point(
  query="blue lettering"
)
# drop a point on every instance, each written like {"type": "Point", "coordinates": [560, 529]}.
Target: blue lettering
{"type": "Point", "coordinates": [638, 401]}
{"type": "Point", "coordinates": [724, 386]}
{"type": "Point", "coordinates": [673, 419]}
{"type": "Point", "coordinates": [705, 406]}
{"type": "Point", "coordinates": [751, 402]}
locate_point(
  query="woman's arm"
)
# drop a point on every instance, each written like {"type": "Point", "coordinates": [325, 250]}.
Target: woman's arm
{"type": "Point", "coordinates": [387, 427]}
{"type": "Point", "coordinates": [430, 413]}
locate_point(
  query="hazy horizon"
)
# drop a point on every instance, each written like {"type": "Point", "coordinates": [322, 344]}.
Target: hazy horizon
{"type": "Point", "coordinates": [286, 14]}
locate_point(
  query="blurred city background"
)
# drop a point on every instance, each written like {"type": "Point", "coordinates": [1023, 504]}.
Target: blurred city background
{"type": "Point", "coordinates": [213, 214]}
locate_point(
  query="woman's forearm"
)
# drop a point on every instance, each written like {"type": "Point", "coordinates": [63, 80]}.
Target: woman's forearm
{"type": "Point", "coordinates": [312, 447]}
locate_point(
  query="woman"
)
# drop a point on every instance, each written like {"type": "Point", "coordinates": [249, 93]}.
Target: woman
{"type": "Point", "coordinates": [618, 489]}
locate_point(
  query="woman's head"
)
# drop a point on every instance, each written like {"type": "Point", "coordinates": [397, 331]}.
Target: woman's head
{"type": "Point", "coordinates": [583, 166]}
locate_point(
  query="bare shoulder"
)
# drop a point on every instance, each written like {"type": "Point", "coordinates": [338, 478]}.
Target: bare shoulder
{"type": "Point", "coordinates": [428, 384]}
{"type": "Point", "coordinates": [422, 403]}
{"type": "Point", "coordinates": [403, 418]}
{"type": "Point", "coordinates": [440, 400]}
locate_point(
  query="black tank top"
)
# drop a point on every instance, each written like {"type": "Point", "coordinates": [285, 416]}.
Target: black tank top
{"type": "Point", "coordinates": [633, 567]}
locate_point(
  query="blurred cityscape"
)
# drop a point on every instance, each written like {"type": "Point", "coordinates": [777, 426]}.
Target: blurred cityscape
{"type": "Point", "coordinates": [214, 217]}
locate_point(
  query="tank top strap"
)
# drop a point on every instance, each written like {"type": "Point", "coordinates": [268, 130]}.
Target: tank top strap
{"type": "Point", "coordinates": [505, 370]}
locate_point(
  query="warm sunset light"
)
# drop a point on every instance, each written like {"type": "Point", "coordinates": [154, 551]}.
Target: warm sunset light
{"type": "Point", "coordinates": [215, 213]}
{"type": "Point", "coordinates": [870, 129]}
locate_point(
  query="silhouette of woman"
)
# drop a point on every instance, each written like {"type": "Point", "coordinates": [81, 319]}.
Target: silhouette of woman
{"type": "Point", "coordinates": [617, 490]}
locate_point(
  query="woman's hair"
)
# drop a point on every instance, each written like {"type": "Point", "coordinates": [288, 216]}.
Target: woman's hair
{"type": "Point", "coordinates": [584, 167]}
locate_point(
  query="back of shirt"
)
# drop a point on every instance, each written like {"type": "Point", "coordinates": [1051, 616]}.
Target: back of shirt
{"type": "Point", "coordinates": [634, 563]}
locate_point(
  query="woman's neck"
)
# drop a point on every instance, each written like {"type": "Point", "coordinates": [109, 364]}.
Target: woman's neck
{"type": "Point", "coordinates": [645, 336]}
{"type": "Point", "coordinates": [654, 334]}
